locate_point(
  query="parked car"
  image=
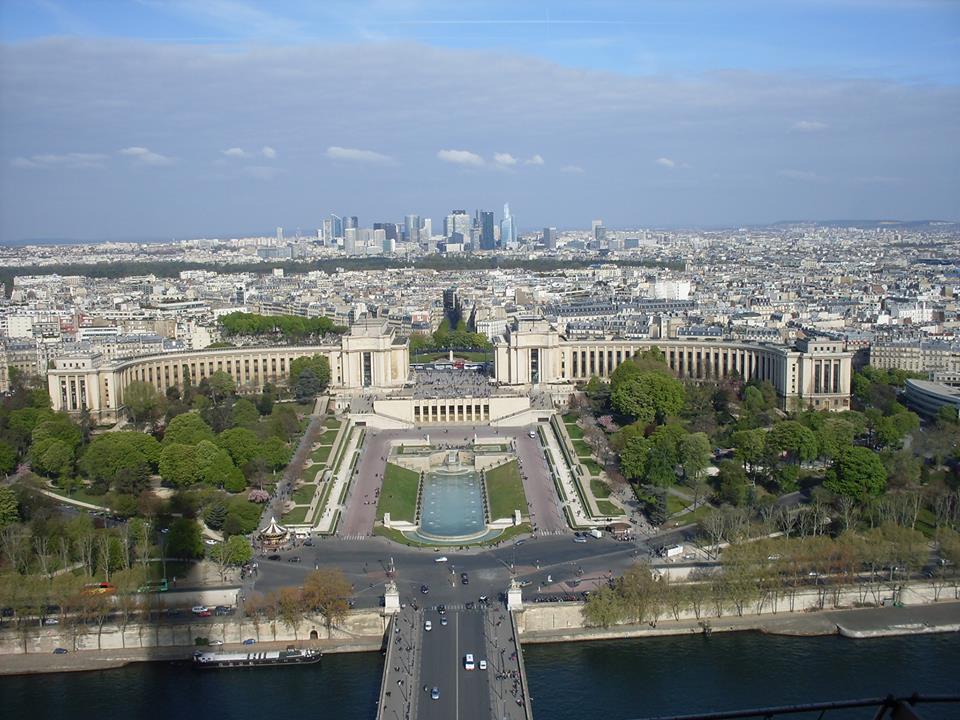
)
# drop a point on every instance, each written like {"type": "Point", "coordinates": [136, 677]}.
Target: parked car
{"type": "Point", "coordinates": [468, 662]}
{"type": "Point", "coordinates": [249, 641]}
{"type": "Point", "coordinates": [428, 626]}
{"type": "Point", "coordinates": [434, 693]}
{"type": "Point", "coordinates": [51, 621]}
{"type": "Point", "coordinates": [197, 609]}
{"type": "Point", "coordinates": [482, 665]}
{"type": "Point", "coordinates": [294, 559]}
{"type": "Point", "coordinates": [580, 539]}
{"type": "Point", "coordinates": [273, 557]}
{"type": "Point", "coordinates": [60, 651]}
{"type": "Point", "coordinates": [215, 643]}
{"type": "Point", "coordinates": [424, 589]}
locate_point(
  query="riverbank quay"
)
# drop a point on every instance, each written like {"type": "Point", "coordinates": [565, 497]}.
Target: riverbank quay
{"type": "Point", "coordinates": [852, 623]}
{"type": "Point", "coordinates": [93, 660]}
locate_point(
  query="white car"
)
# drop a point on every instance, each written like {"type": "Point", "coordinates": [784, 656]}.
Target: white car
{"type": "Point", "coordinates": [483, 664]}
{"type": "Point", "coordinates": [442, 558]}
{"type": "Point", "coordinates": [468, 662]}
{"type": "Point", "coordinates": [209, 542]}
{"type": "Point", "coordinates": [428, 626]}
{"type": "Point", "coordinates": [217, 643]}
{"type": "Point", "coordinates": [197, 609]}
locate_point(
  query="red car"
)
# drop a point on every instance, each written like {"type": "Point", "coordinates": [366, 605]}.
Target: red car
{"type": "Point", "coordinates": [205, 613]}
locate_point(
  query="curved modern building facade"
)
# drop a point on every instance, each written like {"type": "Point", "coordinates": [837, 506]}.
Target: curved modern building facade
{"type": "Point", "coordinates": [814, 373]}
{"type": "Point", "coordinates": [369, 356]}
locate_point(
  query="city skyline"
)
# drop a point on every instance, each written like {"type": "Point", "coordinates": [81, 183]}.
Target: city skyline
{"type": "Point", "coordinates": [190, 119]}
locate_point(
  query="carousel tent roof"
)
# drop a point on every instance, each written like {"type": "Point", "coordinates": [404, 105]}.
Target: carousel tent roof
{"type": "Point", "coordinates": [273, 530]}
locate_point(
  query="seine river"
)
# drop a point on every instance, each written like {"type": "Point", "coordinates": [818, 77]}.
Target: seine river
{"type": "Point", "coordinates": [595, 680]}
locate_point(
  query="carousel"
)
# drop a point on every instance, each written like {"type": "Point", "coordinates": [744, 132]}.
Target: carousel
{"type": "Point", "coordinates": [274, 536]}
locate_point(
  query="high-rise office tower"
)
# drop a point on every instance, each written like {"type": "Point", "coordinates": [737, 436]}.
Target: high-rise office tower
{"type": "Point", "coordinates": [350, 241]}
{"type": "Point", "coordinates": [279, 236]}
{"type": "Point", "coordinates": [487, 239]}
{"type": "Point", "coordinates": [457, 223]}
{"type": "Point", "coordinates": [326, 234]}
{"type": "Point", "coordinates": [426, 233]}
{"type": "Point", "coordinates": [337, 225]}
{"type": "Point", "coordinates": [411, 228]}
{"type": "Point", "coordinates": [350, 221]}
{"type": "Point", "coordinates": [508, 227]}
{"type": "Point", "coordinates": [599, 235]}
{"type": "Point", "coordinates": [391, 229]}
{"type": "Point", "coordinates": [550, 238]}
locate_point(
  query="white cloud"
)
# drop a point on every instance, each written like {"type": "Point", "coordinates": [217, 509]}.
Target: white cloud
{"type": "Point", "coordinates": [67, 160]}
{"type": "Point", "coordinates": [806, 175]}
{"type": "Point", "coordinates": [146, 156]}
{"type": "Point", "coordinates": [235, 152]}
{"type": "Point", "coordinates": [574, 169]}
{"type": "Point", "coordinates": [461, 157]}
{"type": "Point", "coordinates": [535, 160]}
{"type": "Point", "coordinates": [504, 159]}
{"type": "Point", "coordinates": [268, 152]}
{"type": "Point", "coordinates": [666, 162]}
{"type": "Point", "coordinates": [809, 126]}
{"type": "Point", "coordinates": [335, 152]}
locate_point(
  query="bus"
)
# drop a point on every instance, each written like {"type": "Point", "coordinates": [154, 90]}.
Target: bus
{"type": "Point", "coordinates": [154, 586]}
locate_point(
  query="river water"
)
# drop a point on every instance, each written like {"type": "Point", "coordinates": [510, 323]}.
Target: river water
{"type": "Point", "coordinates": [606, 680]}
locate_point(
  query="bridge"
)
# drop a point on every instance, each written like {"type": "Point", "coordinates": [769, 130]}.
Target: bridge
{"type": "Point", "coordinates": [425, 675]}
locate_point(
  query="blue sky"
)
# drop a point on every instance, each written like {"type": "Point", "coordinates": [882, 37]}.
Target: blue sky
{"type": "Point", "coordinates": [185, 118]}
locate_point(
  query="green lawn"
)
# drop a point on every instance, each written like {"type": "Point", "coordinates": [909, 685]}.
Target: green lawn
{"type": "Point", "coordinates": [608, 508]}
{"type": "Point", "coordinates": [313, 473]}
{"type": "Point", "coordinates": [297, 516]}
{"type": "Point", "coordinates": [574, 431]}
{"type": "Point", "coordinates": [328, 437]}
{"type": "Point", "coordinates": [399, 494]}
{"type": "Point", "coordinates": [321, 454]}
{"type": "Point", "coordinates": [569, 418]}
{"type": "Point", "coordinates": [696, 516]}
{"type": "Point", "coordinates": [599, 488]}
{"type": "Point", "coordinates": [332, 422]}
{"type": "Point", "coordinates": [583, 450]}
{"type": "Point", "coordinates": [304, 494]}
{"type": "Point", "coordinates": [82, 495]}
{"type": "Point", "coordinates": [505, 491]}
{"type": "Point", "coordinates": [591, 465]}
{"type": "Point", "coordinates": [674, 504]}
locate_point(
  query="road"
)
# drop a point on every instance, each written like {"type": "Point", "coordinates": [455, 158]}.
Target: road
{"type": "Point", "coordinates": [464, 694]}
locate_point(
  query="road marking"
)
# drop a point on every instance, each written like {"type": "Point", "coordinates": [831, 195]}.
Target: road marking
{"type": "Point", "coordinates": [456, 629]}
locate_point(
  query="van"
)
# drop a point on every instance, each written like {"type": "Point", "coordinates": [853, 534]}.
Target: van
{"type": "Point", "coordinates": [596, 533]}
{"type": "Point", "coordinates": [468, 662]}
{"type": "Point", "coordinates": [532, 434]}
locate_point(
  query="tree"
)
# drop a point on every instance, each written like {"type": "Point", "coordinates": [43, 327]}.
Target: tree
{"type": "Point", "coordinates": [143, 402]}
{"type": "Point", "coordinates": [178, 465]}
{"type": "Point", "coordinates": [220, 386]}
{"type": "Point", "coordinates": [732, 483]}
{"type": "Point", "coordinates": [275, 453]}
{"type": "Point", "coordinates": [233, 552]}
{"type": "Point", "coordinates": [8, 458]}
{"type": "Point", "coordinates": [187, 429]}
{"type": "Point", "coordinates": [215, 467]}
{"type": "Point", "coordinates": [790, 437]}
{"type": "Point", "coordinates": [244, 413]}
{"type": "Point", "coordinates": [56, 459]}
{"type": "Point", "coordinates": [309, 375]}
{"type": "Point", "coordinates": [290, 608]}
{"type": "Point", "coordinates": [184, 539]}
{"type": "Point", "coordinates": [111, 454]}
{"type": "Point", "coordinates": [327, 591]}
{"type": "Point", "coordinates": [9, 510]}
{"type": "Point", "coordinates": [858, 472]}
{"type": "Point", "coordinates": [748, 446]}
{"type": "Point", "coordinates": [242, 444]}
{"type": "Point", "coordinates": [647, 396]}
{"type": "Point", "coordinates": [693, 453]}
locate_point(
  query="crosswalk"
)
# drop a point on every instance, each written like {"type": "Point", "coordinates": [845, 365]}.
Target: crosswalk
{"type": "Point", "coordinates": [357, 536]}
{"type": "Point", "coordinates": [552, 532]}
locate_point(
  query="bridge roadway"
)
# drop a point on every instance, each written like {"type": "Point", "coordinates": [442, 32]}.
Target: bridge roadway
{"type": "Point", "coordinates": [419, 660]}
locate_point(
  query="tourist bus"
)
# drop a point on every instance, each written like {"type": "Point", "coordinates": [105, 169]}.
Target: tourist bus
{"type": "Point", "coordinates": [154, 586]}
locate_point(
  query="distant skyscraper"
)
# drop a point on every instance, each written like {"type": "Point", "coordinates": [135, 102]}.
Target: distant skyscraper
{"type": "Point", "coordinates": [487, 239]}
{"type": "Point", "coordinates": [337, 225]}
{"type": "Point", "coordinates": [326, 234]}
{"type": "Point", "coordinates": [350, 221]}
{"type": "Point", "coordinates": [279, 236]}
{"type": "Point", "coordinates": [599, 234]}
{"type": "Point", "coordinates": [411, 228]}
{"type": "Point", "coordinates": [550, 238]}
{"type": "Point", "coordinates": [457, 223]}
{"type": "Point", "coordinates": [508, 227]}
{"type": "Point", "coordinates": [426, 233]}
{"type": "Point", "coordinates": [391, 229]}
{"type": "Point", "coordinates": [350, 241]}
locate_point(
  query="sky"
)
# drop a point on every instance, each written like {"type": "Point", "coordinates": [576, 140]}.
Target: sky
{"type": "Point", "coordinates": [130, 119]}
